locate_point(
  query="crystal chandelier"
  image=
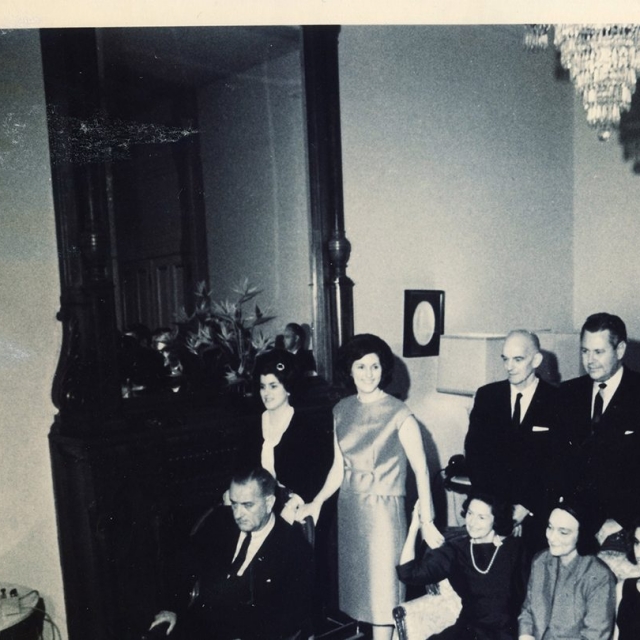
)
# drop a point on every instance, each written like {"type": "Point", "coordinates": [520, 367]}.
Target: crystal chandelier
{"type": "Point", "coordinates": [603, 61]}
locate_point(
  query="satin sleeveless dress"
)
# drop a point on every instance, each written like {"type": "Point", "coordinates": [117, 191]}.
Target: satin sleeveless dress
{"type": "Point", "coordinates": [372, 522]}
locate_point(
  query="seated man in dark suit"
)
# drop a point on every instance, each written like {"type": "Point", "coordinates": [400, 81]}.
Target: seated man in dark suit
{"type": "Point", "coordinates": [599, 424]}
{"type": "Point", "coordinates": [294, 342]}
{"type": "Point", "coordinates": [508, 445]}
{"type": "Point", "coordinates": [254, 571]}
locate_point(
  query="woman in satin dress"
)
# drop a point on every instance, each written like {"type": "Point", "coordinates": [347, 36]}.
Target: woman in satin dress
{"type": "Point", "coordinates": [375, 436]}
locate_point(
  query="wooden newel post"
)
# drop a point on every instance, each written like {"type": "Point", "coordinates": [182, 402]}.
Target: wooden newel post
{"type": "Point", "coordinates": [341, 288]}
{"type": "Point", "coordinates": [330, 247]}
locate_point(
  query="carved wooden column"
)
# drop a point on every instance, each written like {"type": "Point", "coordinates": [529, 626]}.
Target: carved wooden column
{"type": "Point", "coordinates": [330, 247]}
{"type": "Point", "coordinates": [86, 388]}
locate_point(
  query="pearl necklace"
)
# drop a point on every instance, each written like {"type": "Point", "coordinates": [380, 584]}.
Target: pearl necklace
{"type": "Point", "coordinates": [473, 560]}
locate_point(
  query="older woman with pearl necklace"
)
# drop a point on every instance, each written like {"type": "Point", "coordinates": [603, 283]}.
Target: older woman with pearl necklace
{"type": "Point", "coordinates": [484, 566]}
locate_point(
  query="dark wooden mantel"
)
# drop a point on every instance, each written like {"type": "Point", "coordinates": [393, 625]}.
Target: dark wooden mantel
{"type": "Point", "coordinates": [130, 476]}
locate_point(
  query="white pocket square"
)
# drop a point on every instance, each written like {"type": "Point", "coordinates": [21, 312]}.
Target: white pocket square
{"type": "Point", "coordinates": [628, 433]}
{"type": "Point", "coordinates": [540, 429]}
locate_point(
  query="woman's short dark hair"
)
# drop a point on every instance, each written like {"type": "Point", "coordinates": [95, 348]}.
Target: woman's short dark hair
{"type": "Point", "coordinates": [358, 347]}
{"type": "Point", "coordinates": [281, 364]}
{"type": "Point", "coordinates": [502, 511]}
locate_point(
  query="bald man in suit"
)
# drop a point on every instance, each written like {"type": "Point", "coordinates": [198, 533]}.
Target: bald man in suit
{"type": "Point", "coordinates": [508, 445]}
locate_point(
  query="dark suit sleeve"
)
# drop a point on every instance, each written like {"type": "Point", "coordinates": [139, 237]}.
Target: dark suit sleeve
{"type": "Point", "coordinates": [562, 464]}
{"type": "Point", "coordinates": [480, 447]}
{"type": "Point", "coordinates": [197, 552]}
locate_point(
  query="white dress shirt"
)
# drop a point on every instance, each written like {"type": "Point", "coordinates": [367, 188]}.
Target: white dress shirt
{"type": "Point", "coordinates": [527, 396]}
{"type": "Point", "coordinates": [257, 538]}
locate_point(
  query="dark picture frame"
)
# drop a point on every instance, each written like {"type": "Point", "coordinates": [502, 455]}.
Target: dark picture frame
{"type": "Point", "coordinates": [423, 322]}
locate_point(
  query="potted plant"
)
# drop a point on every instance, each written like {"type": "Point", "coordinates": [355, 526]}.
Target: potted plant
{"type": "Point", "coordinates": [226, 335]}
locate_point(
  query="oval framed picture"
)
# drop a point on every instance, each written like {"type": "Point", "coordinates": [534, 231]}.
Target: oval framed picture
{"type": "Point", "coordinates": [423, 322]}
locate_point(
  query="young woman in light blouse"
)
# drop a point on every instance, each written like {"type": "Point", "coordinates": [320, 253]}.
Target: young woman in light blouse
{"type": "Point", "coordinates": [296, 452]}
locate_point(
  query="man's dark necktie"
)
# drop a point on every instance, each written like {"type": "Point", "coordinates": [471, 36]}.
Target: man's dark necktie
{"type": "Point", "coordinates": [516, 412]}
{"type": "Point", "coordinates": [598, 405]}
{"type": "Point", "coordinates": [241, 557]}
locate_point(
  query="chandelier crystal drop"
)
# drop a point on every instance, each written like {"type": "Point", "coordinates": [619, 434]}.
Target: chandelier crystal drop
{"type": "Point", "coordinates": [603, 61]}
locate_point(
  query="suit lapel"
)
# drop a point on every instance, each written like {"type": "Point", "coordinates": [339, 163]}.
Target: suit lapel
{"type": "Point", "coordinates": [505, 404]}
{"type": "Point", "coordinates": [611, 418]}
{"type": "Point", "coordinates": [263, 558]}
{"type": "Point", "coordinates": [231, 537]}
{"type": "Point", "coordinates": [583, 408]}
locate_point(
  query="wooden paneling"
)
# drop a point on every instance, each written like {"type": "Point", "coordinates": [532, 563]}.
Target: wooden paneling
{"type": "Point", "coordinates": [152, 290]}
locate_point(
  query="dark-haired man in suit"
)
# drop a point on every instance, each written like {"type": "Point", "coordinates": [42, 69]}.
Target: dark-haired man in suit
{"type": "Point", "coordinates": [600, 424]}
{"type": "Point", "coordinates": [254, 570]}
{"type": "Point", "coordinates": [508, 445]}
{"type": "Point", "coordinates": [294, 342]}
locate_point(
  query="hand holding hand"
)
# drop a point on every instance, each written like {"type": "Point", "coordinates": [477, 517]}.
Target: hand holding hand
{"type": "Point", "coordinates": [290, 510]}
{"type": "Point", "coordinates": [431, 535]}
{"type": "Point", "coordinates": [310, 509]}
{"type": "Point", "coordinates": [414, 525]}
{"type": "Point", "coordinates": [162, 617]}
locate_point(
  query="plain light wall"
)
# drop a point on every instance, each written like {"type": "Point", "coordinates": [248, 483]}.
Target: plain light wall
{"type": "Point", "coordinates": [254, 159]}
{"type": "Point", "coordinates": [606, 227]}
{"type": "Point", "coordinates": [29, 332]}
{"type": "Point", "coordinates": [467, 167]}
{"type": "Point", "coordinates": [458, 175]}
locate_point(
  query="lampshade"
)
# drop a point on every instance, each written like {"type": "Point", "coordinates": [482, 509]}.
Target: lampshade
{"type": "Point", "coordinates": [467, 361]}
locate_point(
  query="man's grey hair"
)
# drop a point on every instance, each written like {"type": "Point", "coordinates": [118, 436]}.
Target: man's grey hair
{"type": "Point", "coordinates": [529, 335]}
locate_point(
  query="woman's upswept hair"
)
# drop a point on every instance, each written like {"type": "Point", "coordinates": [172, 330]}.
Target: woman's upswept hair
{"type": "Point", "coordinates": [358, 347]}
{"type": "Point", "coordinates": [502, 511]}
{"type": "Point", "coordinates": [281, 364]}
